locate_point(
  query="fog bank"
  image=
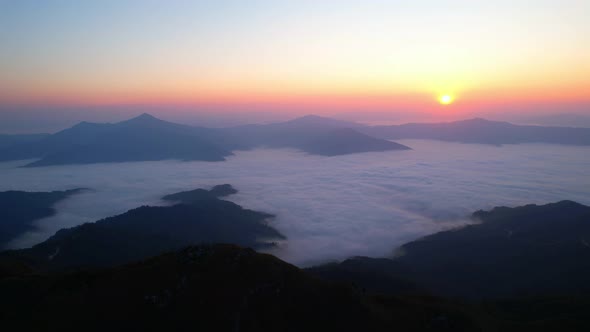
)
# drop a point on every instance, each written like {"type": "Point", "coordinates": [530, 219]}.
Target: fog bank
{"type": "Point", "coordinates": [328, 207]}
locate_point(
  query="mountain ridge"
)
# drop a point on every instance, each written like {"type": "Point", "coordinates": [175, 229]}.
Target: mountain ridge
{"type": "Point", "coordinates": [147, 138]}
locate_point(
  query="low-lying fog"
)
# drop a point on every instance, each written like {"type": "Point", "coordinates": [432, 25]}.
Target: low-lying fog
{"type": "Point", "coordinates": [328, 207]}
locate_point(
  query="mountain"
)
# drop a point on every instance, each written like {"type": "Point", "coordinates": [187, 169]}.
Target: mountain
{"type": "Point", "coordinates": [228, 288]}
{"type": "Point", "coordinates": [314, 135]}
{"type": "Point", "coordinates": [147, 231]}
{"type": "Point", "coordinates": [530, 250]}
{"type": "Point", "coordinates": [197, 195]}
{"type": "Point", "coordinates": [211, 288]}
{"type": "Point", "coordinates": [482, 131]}
{"type": "Point", "coordinates": [562, 120]}
{"type": "Point", "coordinates": [525, 250]}
{"type": "Point", "coordinates": [322, 122]}
{"type": "Point", "coordinates": [347, 141]}
{"type": "Point", "coordinates": [528, 264]}
{"type": "Point", "coordinates": [19, 209]}
{"type": "Point", "coordinates": [146, 138]}
{"type": "Point", "coordinates": [139, 139]}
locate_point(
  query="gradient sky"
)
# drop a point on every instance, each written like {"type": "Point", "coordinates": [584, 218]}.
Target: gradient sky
{"type": "Point", "coordinates": [311, 56]}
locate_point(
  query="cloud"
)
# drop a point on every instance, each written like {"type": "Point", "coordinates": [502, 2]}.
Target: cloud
{"type": "Point", "coordinates": [328, 207]}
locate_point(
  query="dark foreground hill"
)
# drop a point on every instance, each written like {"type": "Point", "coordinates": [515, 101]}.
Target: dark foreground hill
{"type": "Point", "coordinates": [147, 231]}
{"type": "Point", "coordinates": [211, 288]}
{"type": "Point", "coordinates": [519, 269]}
{"type": "Point", "coordinates": [525, 251]}
{"type": "Point", "coordinates": [227, 288]}
{"type": "Point", "coordinates": [19, 209]}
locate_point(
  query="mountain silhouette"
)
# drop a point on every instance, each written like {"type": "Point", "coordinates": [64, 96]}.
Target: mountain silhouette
{"type": "Point", "coordinates": [314, 135]}
{"type": "Point", "coordinates": [211, 288]}
{"type": "Point", "coordinates": [199, 217]}
{"type": "Point", "coordinates": [346, 141]}
{"type": "Point", "coordinates": [19, 209]}
{"type": "Point", "coordinates": [536, 250]}
{"type": "Point", "coordinates": [482, 131]}
{"type": "Point", "coordinates": [146, 138]}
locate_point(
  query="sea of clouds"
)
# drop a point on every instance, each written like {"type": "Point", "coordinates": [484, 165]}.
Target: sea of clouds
{"type": "Point", "coordinates": [330, 208]}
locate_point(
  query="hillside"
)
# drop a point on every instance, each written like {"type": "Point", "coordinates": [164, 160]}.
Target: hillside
{"type": "Point", "coordinates": [536, 250]}
{"type": "Point", "coordinates": [211, 288]}
{"type": "Point", "coordinates": [148, 230]}
{"type": "Point", "coordinates": [19, 209]}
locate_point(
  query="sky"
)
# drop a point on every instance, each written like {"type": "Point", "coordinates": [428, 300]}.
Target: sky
{"type": "Point", "coordinates": [296, 57]}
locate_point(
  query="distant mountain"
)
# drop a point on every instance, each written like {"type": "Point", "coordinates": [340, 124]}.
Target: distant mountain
{"type": "Point", "coordinates": [346, 141]}
{"type": "Point", "coordinates": [146, 138]}
{"type": "Point", "coordinates": [18, 210]}
{"type": "Point", "coordinates": [139, 139]}
{"type": "Point", "coordinates": [197, 195]}
{"type": "Point", "coordinates": [529, 250]}
{"type": "Point", "coordinates": [562, 120]}
{"type": "Point", "coordinates": [482, 131]}
{"type": "Point", "coordinates": [147, 231]}
{"type": "Point", "coordinates": [322, 122]}
{"type": "Point", "coordinates": [314, 135]}
{"type": "Point", "coordinates": [10, 140]}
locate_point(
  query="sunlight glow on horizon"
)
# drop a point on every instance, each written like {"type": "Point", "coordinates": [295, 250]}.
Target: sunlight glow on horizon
{"type": "Point", "coordinates": [274, 54]}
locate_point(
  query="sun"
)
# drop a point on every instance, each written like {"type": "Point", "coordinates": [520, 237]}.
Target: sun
{"type": "Point", "coordinates": [446, 99]}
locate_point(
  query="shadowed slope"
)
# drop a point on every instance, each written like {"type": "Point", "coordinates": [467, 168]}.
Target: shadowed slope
{"type": "Point", "coordinates": [147, 231]}
{"type": "Point", "coordinates": [18, 210]}
{"type": "Point", "coordinates": [529, 250]}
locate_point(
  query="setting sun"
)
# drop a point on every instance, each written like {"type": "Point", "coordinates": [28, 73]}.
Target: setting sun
{"type": "Point", "coordinates": [445, 99]}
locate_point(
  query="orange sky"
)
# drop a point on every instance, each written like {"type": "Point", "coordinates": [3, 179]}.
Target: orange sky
{"type": "Point", "coordinates": [321, 56]}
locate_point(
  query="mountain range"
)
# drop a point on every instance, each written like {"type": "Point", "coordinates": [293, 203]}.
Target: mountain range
{"type": "Point", "coordinates": [146, 138]}
{"type": "Point", "coordinates": [506, 252]}
{"type": "Point", "coordinates": [482, 131]}
{"type": "Point", "coordinates": [196, 217]}
{"type": "Point", "coordinates": [517, 269]}
{"type": "Point", "coordinates": [211, 288]}
{"type": "Point", "coordinates": [139, 139]}
{"type": "Point", "coordinates": [524, 251]}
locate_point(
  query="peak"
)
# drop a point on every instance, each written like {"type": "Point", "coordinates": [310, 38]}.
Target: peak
{"type": "Point", "coordinates": [312, 116]}
{"type": "Point", "coordinates": [85, 124]}
{"type": "Point", "coordinates": [482, 121]}
{"type": "Point", "coordinates": [568, 203]}
{"type": "Point", "coordinates": [477, 120]}
{"type": "Point", "coordinates": [143, 118]}
{"type": "Point", "coordinates": [311, 119]}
